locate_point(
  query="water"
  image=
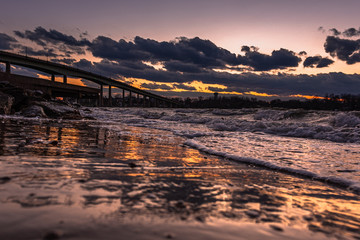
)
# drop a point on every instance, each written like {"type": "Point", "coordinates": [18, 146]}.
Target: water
{"type": "Point", "coordinates": [323, 145]}
{"type": "Point", "coordinates": [138, 174]}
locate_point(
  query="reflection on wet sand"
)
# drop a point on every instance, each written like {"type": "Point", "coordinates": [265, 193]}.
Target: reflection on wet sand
{"type": "Point", "coordinates": [82, 182]}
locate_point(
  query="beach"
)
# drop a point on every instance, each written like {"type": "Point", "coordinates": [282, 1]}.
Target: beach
{"type": "Point", "coordinates": [96, 179]}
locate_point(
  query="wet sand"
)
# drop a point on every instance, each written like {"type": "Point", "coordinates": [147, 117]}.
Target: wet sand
{"type": "Point", "coordinates": [78, 180]}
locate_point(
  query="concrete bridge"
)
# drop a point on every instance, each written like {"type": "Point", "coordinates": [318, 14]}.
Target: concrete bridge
{"type": "Point", "coordinates": [148, 98]}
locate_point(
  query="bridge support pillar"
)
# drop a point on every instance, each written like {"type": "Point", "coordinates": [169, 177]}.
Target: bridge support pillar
{"type": "Point", "coordinates": [65, 79]}
{"type": "Point", "coordinates": [130, 99]}
{"type": "Point", "coordinates": [52, 77]}
{"type": "Point", "coordinates": [144, 100]}
{"type": "Point", "coordinates": [123, 98]}
{"type": "Point", "coordinates": [110, 100]}
{"type": "Point", "coordinates": [101, 97]}
{"type": "Point", "coordinates": [79, 97]}
{"type": "Point", "coordinates": [8, 68]}
{"type": "Point", "coordinates": [137, 100]}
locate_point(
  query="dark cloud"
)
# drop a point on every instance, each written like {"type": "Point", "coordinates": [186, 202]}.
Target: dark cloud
{"type": "Point", "coordinates": [194, 51]}
{"type": "Point", "coordinates": [344, 49]}
{"type": "Point", "coordinates": [67, 61]}
{"type": "Point", "coordinates": [175, 66]}
{"type": "Point", "coordinates": [41, 36]}
{"type": "Point", "coordinates": [107, 48]}
{"type": "Point", "coordinates": [84, 64]}
{"type": "Point", "coordinates": [64, 43]}
{"type": "Point", "coordinates": [181, 86]}
{"type": "Point", "coordinates": [6, 41]}
{"type": "Point", "coordinates": [37, 53]}
{"type": "Point", "coordinates": [324, 62]}
{"type": "Point", "coordinates": [208, 52]}
{"type": "Point", "coordinates": [302, 53]}
{"type": "Point", "coordinates": [190, 55]}
{"type": "Point", "coordinates": [335, 32]}
{"type": "Point", "coordinates": [321, 29]}
{"type": "Point", "coordinates": [282, 84]}
{"type": "Point", "coordinates": [351, 32]}
{"type": "Point", "coordinates": [184, 87]}
{"type": "Point", "coordinates": [245, 49]}
{"type": "Point", "coordinates": [189, 59]}
{"type": "Point", "coordinates": [215, 89]}
{"type": "Point", "coordinates": [279, 59]}
{"type": "Point", "coordinates": [156, 86]}
{"type": "Point", "coordinates": [317, 61]}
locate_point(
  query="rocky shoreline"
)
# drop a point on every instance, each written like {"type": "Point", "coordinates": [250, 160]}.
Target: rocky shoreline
{"type": "Point", "coordinates": [28, 103]}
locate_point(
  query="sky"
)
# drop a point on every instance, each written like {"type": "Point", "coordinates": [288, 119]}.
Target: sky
{"type": "Point", "coordinates": [266, 49]}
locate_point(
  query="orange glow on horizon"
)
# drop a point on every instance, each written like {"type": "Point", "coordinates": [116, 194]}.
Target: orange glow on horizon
{"type": "Point", "coordinates": [70, 80]}
{"type": "Point", "coordinates": [306, 96]}
{"type": "Point", "coordinates": [260, 94]}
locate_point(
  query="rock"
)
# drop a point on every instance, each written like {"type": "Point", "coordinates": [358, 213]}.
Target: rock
{"type": "Point", "coordinates": [277, 228]}
{"type": "Point", "coordinates": [252, 213]}
{"type": "Point", "coordinates": [33, 111]}
{"type": "Point", "coordinates": [200, 218]}
{"type": "Point", "coordinates": [18, 94]}
{"type": "Point", "coordinates": [6, 102]}
{"type": "Point", "coordinates": [169, 235]}
{"type": "Point", "coordinates": [180, 205]}
{"type": "Point", "coordinates": [132, 165]}
{"type": "Point", "coordinates": [54, 143]}
{"type": "Point", "coordinates": [52, 235]}
{"type": "Point", "coordinates": [59, 110]}
{"type": "Point", "coordinates": [4, 180]}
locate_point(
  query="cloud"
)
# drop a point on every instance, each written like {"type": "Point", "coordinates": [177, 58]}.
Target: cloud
{"type": "Point", "coordinates": [279, 59]}
{"type": "Point", "coordinates": [41, 36]}
{"type": "Point", "coordinates": [36, 53]}
{"type": "Point", "coordinates": [107, 48]}
{"type": "Point", "coordinates": [351, 32]}
{"type": "Point", "coordinates": [184, 87]}
{"type": "Point", "coordinates": [321, 29]}
{"type": "Point", "coordinates": [67, 61]}
{"type": "Point", "coordinates": [179, 66]}
{"type": "Point", "coordinates": [344, 49]}
{"type": "Point", "coordinates": [64, 43]}
{"type": "Point", "coordinates": [281, 84]}
{"type": "Point", "coordinates": [6, 41]}
{"type": "Point", "coordinates": [185, 60]}
{"type": "Point", "coordinates": [317, 61]}
{"type": "Point", "coordinates": [215, 89]}
{"type": "Point", "coordinates": [190, 54]}
{"type": "Point", "coordinates": [335, 32]}
{"type": "Point", "coordinates": [156, 86]}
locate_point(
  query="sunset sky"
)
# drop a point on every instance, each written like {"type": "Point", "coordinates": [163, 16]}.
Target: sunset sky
{"type": "Point", "coordinates": [259, 48]}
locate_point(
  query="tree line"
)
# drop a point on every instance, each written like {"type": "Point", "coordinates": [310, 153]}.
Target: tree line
{"type": "Point", "coordinates": [343, 102]}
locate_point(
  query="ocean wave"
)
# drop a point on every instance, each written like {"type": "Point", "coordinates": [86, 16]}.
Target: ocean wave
{"type": "Point", "coordinates": [343, 182]}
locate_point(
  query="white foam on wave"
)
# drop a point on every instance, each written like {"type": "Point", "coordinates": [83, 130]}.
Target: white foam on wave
{"type": "Point", "coordinates": [355, 186]}
{"type": "Point", "coordinates": [291, 141]}
{"type": "Point", "coordinates": [330, 126]}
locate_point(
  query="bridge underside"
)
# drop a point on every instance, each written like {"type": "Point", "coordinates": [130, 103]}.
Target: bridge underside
{"type": "Point", "coordinates": [54, 89]}
{"type": "Point", "coordinates": [146, 99]}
